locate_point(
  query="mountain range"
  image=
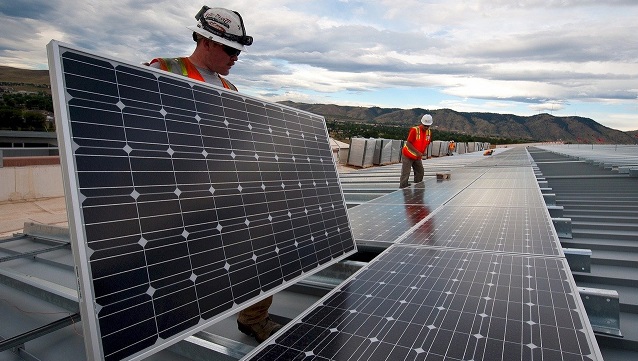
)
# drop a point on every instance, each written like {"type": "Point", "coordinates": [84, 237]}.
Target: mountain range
{"type": "Point", "coordinates": [540, 127]}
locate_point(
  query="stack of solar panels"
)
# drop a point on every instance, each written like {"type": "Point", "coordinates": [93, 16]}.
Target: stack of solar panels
{"type": "Point", "coordinates": [383, 152]}
{"type": "Point", "coordinates": [473, 270]}
{"type": "Point", "coordinates": [186, 202]}
{"type": "Point", "coordinates": [438, 148]}
{"type": "Point", "coordinates": [361, 152]}
{"type": "Point", "coordinates": [397, 145]}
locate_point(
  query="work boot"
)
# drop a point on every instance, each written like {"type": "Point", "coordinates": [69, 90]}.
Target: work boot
{"type": "Point", "coordinates": [260, 330]}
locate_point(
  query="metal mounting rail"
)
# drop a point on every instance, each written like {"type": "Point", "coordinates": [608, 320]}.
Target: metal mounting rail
{"type": "Point", "coordinates": [19, 340]}
{"type": "Point", "coordinates": [33, 253]}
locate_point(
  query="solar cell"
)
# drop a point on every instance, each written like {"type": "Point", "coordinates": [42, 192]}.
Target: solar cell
{"type": "Point", "coordinates": [186, 201]}
{"type": "Point", "coordinates": [428, 304]}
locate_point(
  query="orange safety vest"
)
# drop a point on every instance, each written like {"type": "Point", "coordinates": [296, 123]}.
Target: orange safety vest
{"type": "Point", "coordinates": [418, 139]}
{"type": "Point", "coordinates": [184, 67]}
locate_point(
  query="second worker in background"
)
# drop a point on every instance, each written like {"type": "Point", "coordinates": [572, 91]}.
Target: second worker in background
{"type": "Point", "coordinates": [415, 147]}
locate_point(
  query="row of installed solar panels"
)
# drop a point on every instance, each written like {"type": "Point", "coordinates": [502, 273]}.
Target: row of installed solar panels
{"type": "Point", "coordinates": [472, 269]}
{"type": "Point", "coordinates": [368, 152]}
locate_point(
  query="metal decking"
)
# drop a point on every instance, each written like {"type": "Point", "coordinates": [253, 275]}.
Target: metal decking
{"type": "Point", "coordinates": [599, 193]}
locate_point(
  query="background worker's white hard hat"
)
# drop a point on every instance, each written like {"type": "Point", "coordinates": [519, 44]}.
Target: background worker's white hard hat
{"type": "Point", "coordinates": [426, 119]}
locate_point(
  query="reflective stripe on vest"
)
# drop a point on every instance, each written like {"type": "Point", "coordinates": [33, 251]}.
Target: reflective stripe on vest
{"type": "Point", "coordinates": [187, 69]}
{"type": "Point", "coordinates": [420, 143]}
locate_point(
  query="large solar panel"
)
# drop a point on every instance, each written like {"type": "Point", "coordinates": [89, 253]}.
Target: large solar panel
{"type": "Point", "coordinates": [186, 201]}
{"type": "Point", "coordinates": [441, 304]}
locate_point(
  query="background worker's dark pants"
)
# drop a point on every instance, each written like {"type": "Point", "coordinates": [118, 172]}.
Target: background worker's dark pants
{"type": "Point", "coordinates": [406, 164]}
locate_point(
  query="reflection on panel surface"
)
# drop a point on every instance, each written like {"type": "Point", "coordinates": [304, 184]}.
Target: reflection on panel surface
{"type": "Point", "coordinates": [513, 229]}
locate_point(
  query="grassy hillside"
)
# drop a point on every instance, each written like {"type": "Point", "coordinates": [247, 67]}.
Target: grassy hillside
{"type": "Point", "coordinates": [24, 79]}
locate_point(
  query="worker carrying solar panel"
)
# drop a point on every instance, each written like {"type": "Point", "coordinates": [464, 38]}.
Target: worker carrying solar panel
{"type": "Point", "coordinates": [220, 35]}
{"type": "Point", "coordinates": [415, 146]}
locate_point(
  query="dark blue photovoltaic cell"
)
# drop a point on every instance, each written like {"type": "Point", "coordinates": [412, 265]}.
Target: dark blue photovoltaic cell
{"type": "Point", "coordinates": [192, 199]}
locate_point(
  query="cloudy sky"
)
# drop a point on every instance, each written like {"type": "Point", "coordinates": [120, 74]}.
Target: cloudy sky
{"type": "Point", "coordinates": [564, 57]}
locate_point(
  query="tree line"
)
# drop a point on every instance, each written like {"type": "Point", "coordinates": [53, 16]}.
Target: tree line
{"type": "Point", "coordinates": [26, 111]}
{"type": "Point", "coordinates": [343, 131]}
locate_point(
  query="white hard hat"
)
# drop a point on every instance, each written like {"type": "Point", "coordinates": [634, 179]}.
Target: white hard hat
{"type": "Point", "coordinates": [222, 26]}
{"type": "Point", "coordinates": [426, 119]}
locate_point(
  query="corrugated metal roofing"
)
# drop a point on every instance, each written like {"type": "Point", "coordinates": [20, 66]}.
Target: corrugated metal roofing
{"type": "Point", "coordinates": [594, 186]}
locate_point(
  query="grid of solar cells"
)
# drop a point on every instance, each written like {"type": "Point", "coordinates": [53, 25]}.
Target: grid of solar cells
{"type": "Point", "coordinates": [499, 197]}
{"type": "Point", "coordinates": [384, 223]}
{"type": "Point", "coordinates": [509, 172]}
{"type": "Point", "coordinates": [192, 200]}
{"type": "Point", "coordinates": [429, 194]}
{"type": "Point", "coordinates": [505, 182]}
{"type": "Point", "coordinates": [503, 229]}
{"type": "Point", "coordinates": [384, 219]}
{"type": "Point", "coordinates": [427, 304]}
{"type": "Point", "coordinates": [505, 159]}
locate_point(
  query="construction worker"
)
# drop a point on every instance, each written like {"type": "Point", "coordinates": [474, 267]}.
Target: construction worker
{"type": "Point", "coordinates": [415, 146]}
{"type": "Point", "coordinates": [451, 147]}
{"type": "Point", "coordinates": [221, 36]}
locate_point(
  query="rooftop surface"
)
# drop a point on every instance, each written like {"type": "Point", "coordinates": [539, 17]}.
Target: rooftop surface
{"type": "Point", "coordinates": [48, 295]}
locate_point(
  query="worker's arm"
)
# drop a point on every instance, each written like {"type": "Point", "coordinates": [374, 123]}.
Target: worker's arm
{"type": "Point", "coordinates": [413, 149]}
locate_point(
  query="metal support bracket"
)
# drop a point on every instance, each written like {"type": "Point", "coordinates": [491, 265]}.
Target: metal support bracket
{"type": "Point", "coordinates": [579, 260]}
{"type": "Point", "coordinates": [563, 227]}
{"type": "Point", "coordinates": [603, 309]}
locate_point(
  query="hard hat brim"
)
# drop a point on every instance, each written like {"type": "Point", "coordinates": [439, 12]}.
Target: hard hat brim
{"type": "Point", "coordinates": [216, 38]}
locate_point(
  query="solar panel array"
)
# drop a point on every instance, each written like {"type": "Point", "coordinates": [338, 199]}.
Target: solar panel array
{"type": "Point", "coordinates": [186, 201]}
{"type": "Point", "coordinates": [477, 275]}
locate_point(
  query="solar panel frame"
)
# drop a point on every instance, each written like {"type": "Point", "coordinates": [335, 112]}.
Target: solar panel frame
{"type": "Point", "coordinates": [137, 170]}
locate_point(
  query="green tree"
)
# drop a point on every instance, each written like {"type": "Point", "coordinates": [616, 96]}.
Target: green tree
{"type": "Point", "coordinates": [34, 120]}
{"type": "Point", "coordinates": [10, 119]}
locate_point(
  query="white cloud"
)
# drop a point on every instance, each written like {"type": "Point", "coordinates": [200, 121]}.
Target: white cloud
{"type": "Point", "coordinates": [497, 54]}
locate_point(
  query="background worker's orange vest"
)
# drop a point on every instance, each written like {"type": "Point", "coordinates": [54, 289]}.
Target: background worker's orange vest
{"type": "Point", "coordinates": [419, 140]}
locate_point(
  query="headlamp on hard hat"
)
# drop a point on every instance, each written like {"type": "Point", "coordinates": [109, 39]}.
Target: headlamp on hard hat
{"type": "Point", "coordinates": [243, 39]}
